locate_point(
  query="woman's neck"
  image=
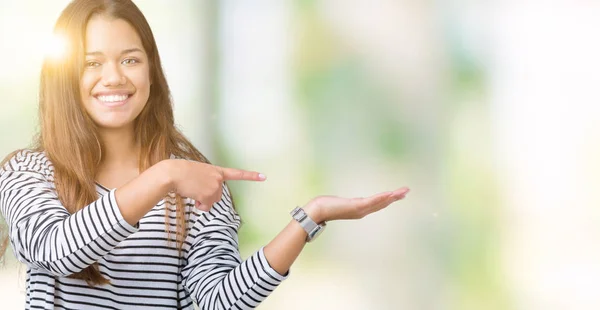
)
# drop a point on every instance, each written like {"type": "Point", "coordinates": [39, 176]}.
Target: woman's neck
{"type": "Point", "coordinates": [120, 150]}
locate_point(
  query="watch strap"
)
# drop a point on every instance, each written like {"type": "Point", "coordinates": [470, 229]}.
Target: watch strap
{"type": "Point", "coordinates": [307, 223]}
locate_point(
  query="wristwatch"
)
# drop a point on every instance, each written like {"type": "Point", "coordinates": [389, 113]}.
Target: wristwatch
{"type": "Point", "coordinates": [313, 229]}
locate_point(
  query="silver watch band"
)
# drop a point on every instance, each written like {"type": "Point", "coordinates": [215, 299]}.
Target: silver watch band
{"type": "Point", "coordinates": [308, 224]}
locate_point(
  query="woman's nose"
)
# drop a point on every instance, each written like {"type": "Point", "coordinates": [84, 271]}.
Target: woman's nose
{"type": "Point", "coordinates": [112, 76]}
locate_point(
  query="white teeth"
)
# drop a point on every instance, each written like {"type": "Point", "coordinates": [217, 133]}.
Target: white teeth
{"type": "Point", "coordinates": [113, 98]}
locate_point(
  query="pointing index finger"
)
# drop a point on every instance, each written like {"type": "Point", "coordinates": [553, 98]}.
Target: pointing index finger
{"type": "Point", "coordinates": [242, 175]}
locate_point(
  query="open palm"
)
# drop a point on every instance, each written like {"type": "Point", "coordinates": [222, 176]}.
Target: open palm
{"type": "Point", "coordinates": [328, 208]}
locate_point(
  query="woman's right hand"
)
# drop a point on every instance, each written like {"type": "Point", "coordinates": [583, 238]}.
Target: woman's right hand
{"type": "Point", "coordinates": [204, 182]}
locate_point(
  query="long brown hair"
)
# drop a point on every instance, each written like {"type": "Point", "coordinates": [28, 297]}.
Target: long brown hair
{"type": "Point", "coordinates": [70, 138]}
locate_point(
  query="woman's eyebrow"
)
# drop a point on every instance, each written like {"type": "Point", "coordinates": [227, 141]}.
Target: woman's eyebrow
{"type": "Point", "coordinates": [131, 50]}
{"type": "Point", "coordinates": [127, 51]}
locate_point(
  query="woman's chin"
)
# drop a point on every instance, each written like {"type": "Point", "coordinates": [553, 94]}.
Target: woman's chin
{"type": "Point", "coordinates": [114, 124]}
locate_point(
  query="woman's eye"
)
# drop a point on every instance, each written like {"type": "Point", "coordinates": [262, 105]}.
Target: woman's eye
{"type": "Point", "coordinates": [129, 61]}
{"type": "Point", "coordinates": [92, 64]}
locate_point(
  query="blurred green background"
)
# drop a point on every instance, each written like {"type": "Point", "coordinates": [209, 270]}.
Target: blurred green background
{"type": "Point", "coordinates": [487, 110]}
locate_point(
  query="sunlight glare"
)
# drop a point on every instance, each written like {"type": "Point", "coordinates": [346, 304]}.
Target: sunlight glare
{"type": "Point", "coordinates": [55, 47]}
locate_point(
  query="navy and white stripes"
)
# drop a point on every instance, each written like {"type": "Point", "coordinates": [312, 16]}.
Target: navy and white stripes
{"type": "Point", "coordinates": [143, 266]}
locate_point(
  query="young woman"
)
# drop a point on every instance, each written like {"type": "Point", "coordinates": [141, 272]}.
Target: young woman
{"type": "Point", "coordinates": [113, 208]}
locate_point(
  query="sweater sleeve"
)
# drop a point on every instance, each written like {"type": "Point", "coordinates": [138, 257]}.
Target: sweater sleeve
{"type": "Point", "coordinates": [215, 275]}
{"type": "Point", "coordinates": [42, 233]}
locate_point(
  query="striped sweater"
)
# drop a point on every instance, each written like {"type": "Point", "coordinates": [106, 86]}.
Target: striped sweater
{"type": "Point", "coordinates": [144, 268]}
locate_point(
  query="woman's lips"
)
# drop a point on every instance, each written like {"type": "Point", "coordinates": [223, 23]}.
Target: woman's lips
{"type": "Point", "coordinates": [113, 100]}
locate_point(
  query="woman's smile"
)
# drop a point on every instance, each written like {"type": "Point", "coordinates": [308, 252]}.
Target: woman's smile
{"type": "Point", "coordinates": [113, 99]}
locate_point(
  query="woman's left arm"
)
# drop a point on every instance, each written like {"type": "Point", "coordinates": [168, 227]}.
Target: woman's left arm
{"type": "Point", "coordinates": [216, 276]}
{"type": "Point", "coordinates": [214, 273]}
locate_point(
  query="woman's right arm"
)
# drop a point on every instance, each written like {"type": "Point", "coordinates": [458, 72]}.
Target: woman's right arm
{"type": "Point", "coordinates": [141, 194]}
{"type": "Point", "coordinates": [42, 233]}
{"type": "Point", "coordinates": [45, 236]}
{"type": "Point", "coordinates": [199, 181]}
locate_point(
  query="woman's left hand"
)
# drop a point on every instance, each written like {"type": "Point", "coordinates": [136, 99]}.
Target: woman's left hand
{"type": "Point", "coordinates": [329, 208]}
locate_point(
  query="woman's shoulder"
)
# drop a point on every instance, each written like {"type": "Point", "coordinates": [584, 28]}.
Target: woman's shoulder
{"type": "Point", "coordinates": [26, 160]}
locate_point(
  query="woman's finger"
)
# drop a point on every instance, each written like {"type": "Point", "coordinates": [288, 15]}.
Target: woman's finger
{"type": "Point", "coordinates": [386, 201]}
{"type": "Point", "coordinates": [238, 174]}
{"type": "Point", "coordinates": [375, 199]}
{"type": "Point", "coordinates": [382, 200]}
{"type": "Point", "coordinates": [365, 206]}
{"type": "Point", "coordinates": [400, 193]}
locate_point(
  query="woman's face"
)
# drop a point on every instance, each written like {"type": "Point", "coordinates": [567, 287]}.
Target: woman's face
{"type": "Point", "coordinates": [115, 84]}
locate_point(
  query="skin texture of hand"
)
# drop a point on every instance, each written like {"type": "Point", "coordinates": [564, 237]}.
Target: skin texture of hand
{"type": "Point", "coordinates": [204, 182]}
{"type": "Point", "coordinates": [329, 208]}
